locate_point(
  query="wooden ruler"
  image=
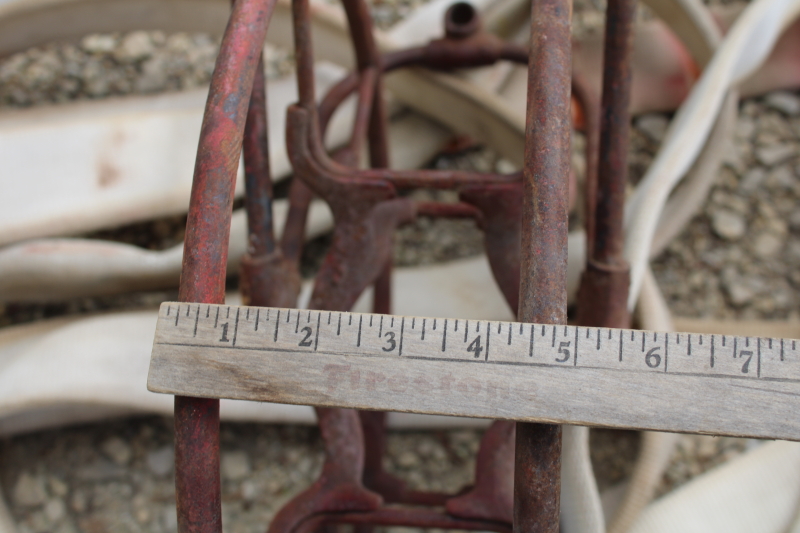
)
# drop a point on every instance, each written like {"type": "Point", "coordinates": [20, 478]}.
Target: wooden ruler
{"type": "Point", "coordinates": [696, 383]}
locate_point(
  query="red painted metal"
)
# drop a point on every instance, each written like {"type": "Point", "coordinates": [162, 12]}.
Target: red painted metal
{"type": "Point", "coordinates": [197, 478]}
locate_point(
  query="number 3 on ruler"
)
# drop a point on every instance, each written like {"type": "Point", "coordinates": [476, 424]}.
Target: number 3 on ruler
{"type": "Point", "coordinates": [392, 343]}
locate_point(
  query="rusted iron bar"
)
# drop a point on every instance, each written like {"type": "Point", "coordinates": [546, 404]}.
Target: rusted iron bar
{"type": "Point", "coordinates": [368, 57]}
{"type": "Point", "coordinates": [603, 294]}
{"type": "Point", "coordinates": [447, 210]}
{"type": "Point", "coordinates": [257, 176]}
{"type": "Point", "coordinates": [391, 516]}
{"type": "Point", "coordinates": [614, 129]}
{"type": "Point", "coordinates": [589, 103]}
{"type": "Point", "coordinates": [543, 250]}
{"type": "Point", "coordinates": [197, 477]}
{"type": "Point", "coordinates": [266, 277]}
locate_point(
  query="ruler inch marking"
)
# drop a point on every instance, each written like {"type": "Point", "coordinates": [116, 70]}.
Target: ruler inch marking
{"type": "Point", "coordinates": [712, 349]}
{"type": "Point", "coordinates": [575, 360]}
{"type": "Point", "coordinates": [202, 350]}
{"type": "Point", "coordinates": [316, 337]}
{"type": "Point", "coordinates": [235, 326]}
{"type": "Point", "coordinates": [423, 329]}
{"type": "Point", "coordinates": [402, 327]}
{"type": "Point", "coordinates": [758, 368]}
{"type": "Point", "coordinates": [531, 341]}
{"type": "Point", "coordinates": [488, 334]}
{"type": "Point", "coordinates": [297, 322]}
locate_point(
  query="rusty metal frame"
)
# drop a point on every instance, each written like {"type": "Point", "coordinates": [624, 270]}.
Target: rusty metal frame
{"type": "Point", "coordinates": [524, 216]}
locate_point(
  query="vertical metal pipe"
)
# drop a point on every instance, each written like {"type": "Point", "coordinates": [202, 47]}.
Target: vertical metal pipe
{"type": "Point", "coordinates": [304, 54]}
{"type": "Point", "coordinates": [368, 56]}
{"type": "Point", "coordinates": [603, 294]}
{"type": "Point", "coordinates": [257, 175]}
{"type": "Point", "coordinates": [543, 287]}
{"type": "Point", "coordinates": [612, 173]}
{"type": "Point", "coordinates": [197, 477]}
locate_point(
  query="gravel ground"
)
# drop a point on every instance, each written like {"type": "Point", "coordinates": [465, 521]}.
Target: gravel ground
{"type": "Point", "coordinates": [118, 477]}
{"type": "Point", "coordinates": [736, 259]}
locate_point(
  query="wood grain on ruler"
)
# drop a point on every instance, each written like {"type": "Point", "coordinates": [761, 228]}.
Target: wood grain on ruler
{"type": "Point", "coordinates": [698, 383]}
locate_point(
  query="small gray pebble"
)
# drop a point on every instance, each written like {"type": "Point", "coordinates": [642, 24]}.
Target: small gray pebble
{"type": "Point", "coordinates": [728, 224]}
{"type": "Point", "coordinates": [767, 245]}
{"type": "Point", "coordinates": [98, 43]}
{"type": "Point", "coordinates": [745, 127]}
{"type": "Point", "coordinates": [117, 450]}
{"type": "Point", "coordinates": [653, 125]}
{"type": "Point", "coordinates": [773, 154]}
{"type": "Point", "coordinates": [781, 177]}
{"type": "Point", "coordinates": [785, 102]}
{"type": "Point", "coordinates": [161, 461]}
{"type": "Point", "coordinates": [235, 465]}
{"type": "Point", "coordinates": [752, 179]}
{"type": "Point", "coordinates": [29, 491]}
{"type": "Point", "coordinates": [135, 46]}
{"type": "Point", "coordinates": [55, 510]}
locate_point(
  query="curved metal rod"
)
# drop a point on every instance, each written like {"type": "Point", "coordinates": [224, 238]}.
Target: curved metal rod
{"type": "Point", "coordinates": [197, 477]}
